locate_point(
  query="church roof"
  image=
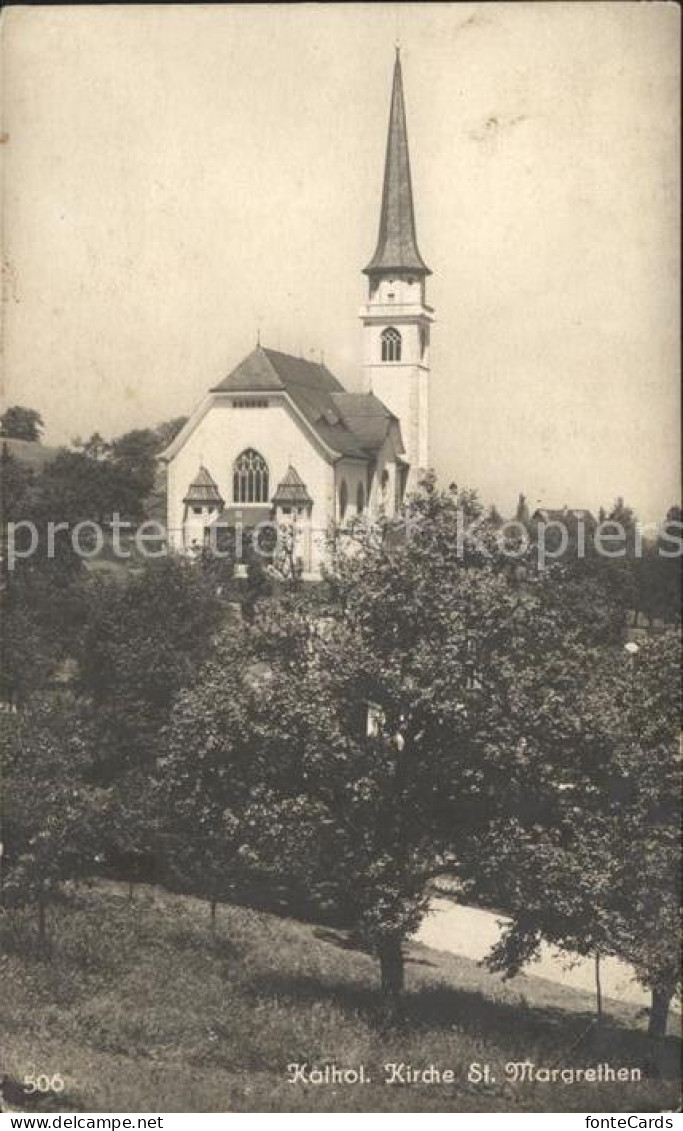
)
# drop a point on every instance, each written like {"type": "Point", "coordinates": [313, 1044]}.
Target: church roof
{"type": "Point", "coordinates": [203, 489]}
{"type": "Point", "coordinates": [366, 416]}
{"type": "Point", "coordinates": [397, 240]}
{"type": "Point", "coordinates": [292, 490]}
{"type": "Point", "coordinates": [335, 415]}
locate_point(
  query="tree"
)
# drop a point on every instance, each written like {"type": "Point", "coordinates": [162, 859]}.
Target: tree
{"type": "Point", "coordinates": [522, 513]}
{"type": "Point", "coordinates": [168, 430]}
{"type": "Point", "coordinates": [28, 651]}
{"type": "Point", "coordinates": [20, 423]}
{"type": "Point", "coordinates": [645, 725]}
{"type": "Point", "coordinates": [15, 483]}
{"type": "Point", "coordinates": [52, 814]}
{"type": "Point", "coordinates": [594, 866]}
{"type": "Point", "coordinates": [143, 641]}
{"type": "Point", "coordinates": [96, 447]}
{"type": "Point", "coordinates": [134, 453]}
{"type": "Point", "coordinates": [602, 588]}
{"type": "Point", "coordinates": [660, 580]}
{"type": "Point", "coordinates": [363, 743]}
{"type": "Point", "coordinates": [77, 487]}
{"type": "Point", "coordinates": [38, 594]}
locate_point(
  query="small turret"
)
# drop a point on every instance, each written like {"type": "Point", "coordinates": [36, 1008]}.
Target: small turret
{"type": "Point", "coordinates": [202, 502]}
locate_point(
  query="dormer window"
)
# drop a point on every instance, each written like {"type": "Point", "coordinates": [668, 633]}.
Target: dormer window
{"type": "Point", "coordinates": [391, 344]}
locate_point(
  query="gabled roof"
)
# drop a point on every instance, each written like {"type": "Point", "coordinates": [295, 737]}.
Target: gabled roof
{"type": "Point", "coordinates": [397, 239]}
{"type": "Point", "coordinates": [203, 489]}
{"type": "Point", "coordinates": [367, 417]}
{"type": "Point", "coordinates": [318, 395]}
{"type": "Point", "coordinates": [292, 490]}
{"type": "Point", "coordinates": [266, 370]}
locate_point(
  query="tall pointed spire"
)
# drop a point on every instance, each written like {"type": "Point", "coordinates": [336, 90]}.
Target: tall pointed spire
{"type": "Point", "coordinates": [397, 242]}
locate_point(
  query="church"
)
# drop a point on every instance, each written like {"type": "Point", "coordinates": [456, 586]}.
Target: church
{"type": "Point", "coordinates": [280, 440]}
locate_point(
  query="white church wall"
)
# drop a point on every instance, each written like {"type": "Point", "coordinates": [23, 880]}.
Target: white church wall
{"type": "Point", "coordinates": [404, 390]}
{"type": "Point", "coordinates": [383, 494]}
{"type": "Point", "coordinates": [353, 473]}
{"type": "Point", "coordinates": [224, 432]}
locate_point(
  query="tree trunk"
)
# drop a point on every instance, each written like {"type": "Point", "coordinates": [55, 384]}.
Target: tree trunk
{"type": "Point", "coordinates": [659, 1013]}
{"type": "Point", "coordinates": [42, 917]}
{"type": "Point", "coordinates": [598, 989]}
{"type": "Point", "coordinates": [390, 952]}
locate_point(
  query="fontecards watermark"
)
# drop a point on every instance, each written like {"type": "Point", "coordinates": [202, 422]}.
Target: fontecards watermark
{"type": "Point", "coordinates": [401, 1073]}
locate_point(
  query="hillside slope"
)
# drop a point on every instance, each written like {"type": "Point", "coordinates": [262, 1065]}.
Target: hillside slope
{"type": "Point", "coordinates": [144, 1008]}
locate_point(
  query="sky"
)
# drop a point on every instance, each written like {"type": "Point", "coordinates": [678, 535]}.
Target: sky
{"type": "Point", "coordinates": [176, 179]}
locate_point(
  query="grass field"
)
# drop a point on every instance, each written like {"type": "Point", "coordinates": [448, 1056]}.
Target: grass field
{"type": "Point", "coordinates": [142, 1007]}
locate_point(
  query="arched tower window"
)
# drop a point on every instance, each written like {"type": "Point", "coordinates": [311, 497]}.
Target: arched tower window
{"type": "Point", "coordinates": [250, 478]}
{"type": "Point", "coordinates": [343, 499]}
{"type": "Point", "coordinates": [391, 344]}
{"type": "Point", "coordinates": [360, 498]}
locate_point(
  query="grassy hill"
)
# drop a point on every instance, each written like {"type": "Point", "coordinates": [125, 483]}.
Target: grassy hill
{"type": "Point", "coordinates": [142, 1007]}
{"type": "Point", "coordinates": [31, 453]}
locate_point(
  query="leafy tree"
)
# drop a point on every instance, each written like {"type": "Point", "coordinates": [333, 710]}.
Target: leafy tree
{"type": "Point", "coordinates": [52, 816]}
{"type": "Point", "coordinates": [364, 744]}
{"type": "Point", "coordinates": [242, 588]}
{"type": "Point", "coordinates": [495, 517]}
{"type": "Point", "coordinates": [20, 423]}
{"type": "Point", "coordinates": [96, 447]}
{"type": "Point", "coordinates": [15, 483]}
{"type": "Point", "coordinates": [602, 588]}
{"type": "Point", "coordinates": [168, 430]}
{"type": "Point", "coordinates": [134, 453]}
{"type": "Point", "coordinates": [645, 725]}
{"type": "Point", "coordinates": [661, 571]}
{"type": "Point", "coordinates": [594, 866]}
{"type": "Point", "coordinates": [28, 651]}
{"type": "Point", "coordinates": [76, 487]}
{"type": "Point", "coordinates": [143, 641]}
{"type": "Point", "coordinates": [522, 513]}
{"type": "Point", "coordinates": [38, 595]}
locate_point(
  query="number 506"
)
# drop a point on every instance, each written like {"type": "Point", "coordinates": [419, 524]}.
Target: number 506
{"type": "Point", "coordinates": [43, 1083]}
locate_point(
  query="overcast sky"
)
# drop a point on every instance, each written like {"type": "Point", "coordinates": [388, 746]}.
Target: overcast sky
{"type": "Point", "coordinates": [176, 177]}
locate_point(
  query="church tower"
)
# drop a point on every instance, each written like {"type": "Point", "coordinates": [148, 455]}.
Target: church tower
{"type": "Point", "coordinates": [396, 319]}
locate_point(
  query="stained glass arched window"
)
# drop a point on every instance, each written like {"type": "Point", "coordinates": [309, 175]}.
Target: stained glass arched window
{"type": "Point", "coordinates": [250, 478]}
{"type": "Point", "coordinates": [391, 344]}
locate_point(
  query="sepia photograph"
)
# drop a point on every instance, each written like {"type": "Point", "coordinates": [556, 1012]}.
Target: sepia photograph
{"type": "Point", "coordinates": [340, 561]}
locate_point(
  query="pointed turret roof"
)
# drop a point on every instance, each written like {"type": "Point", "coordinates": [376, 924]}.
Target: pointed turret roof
{"type": "Point", "coordinates": [292, 490]}
{"type": "Point", "coordinates": [203, 489]}
{"type": "Point", "coordinates": [397, 241]}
